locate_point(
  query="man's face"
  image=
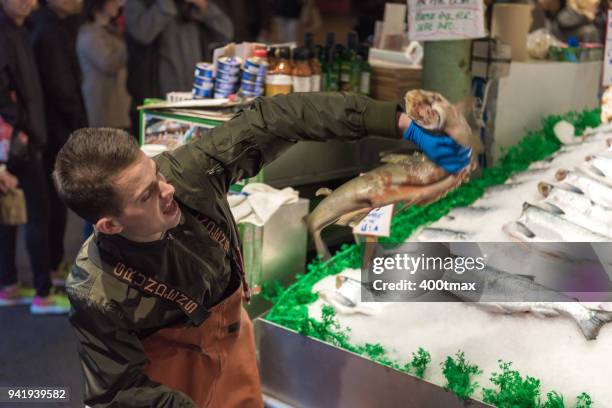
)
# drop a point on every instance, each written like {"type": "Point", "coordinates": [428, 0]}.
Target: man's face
{"type": "Point", "coordinates": [149, 208]}
{"type": "Point", "coordinates": [18, 8]}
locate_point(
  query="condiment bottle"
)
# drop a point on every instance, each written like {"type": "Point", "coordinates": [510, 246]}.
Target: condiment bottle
{"type": "Point", "coordinates": [278, 80]}
{"type": "Point", "coordinates": [366, 72]}
{"type": "Point", "coordinates": [332, 69]}
{"type": "Point", "coordinates": [272, 60]}
{"type": "Point", "coordinates": [315, 68]}
{"type": "Point", "coordinates": [302, 75]}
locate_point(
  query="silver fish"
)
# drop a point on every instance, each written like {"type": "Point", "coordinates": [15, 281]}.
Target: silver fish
{"type": "Point", "coordinates": [467, 212]}
{"type": "Point", "coordinates": [597, 167]}
{"type": "Point", "coordinates": [539, 165]}
{"type": "Point", "coordinates": [441, 235]}
{"type": "Point", "coordinates": [578, 209]}
{"type": "Point", "coordinates": [598, 192]}
{"type": "Point", "coordinates": [538, 225]}
{"type": "Point", "coordinates": [527, 175]}
{"type": "Point", "coordinates": [499, 291]}
{"type": "Point", "coordinates": [494, 190]}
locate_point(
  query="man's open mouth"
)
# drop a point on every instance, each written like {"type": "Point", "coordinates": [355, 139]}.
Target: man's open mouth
{"type": "Point", "coordinates": [171, 208]}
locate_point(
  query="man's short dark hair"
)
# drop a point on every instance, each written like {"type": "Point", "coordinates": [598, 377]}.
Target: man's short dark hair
{"type": "Point", "coordinates": [86, 166]}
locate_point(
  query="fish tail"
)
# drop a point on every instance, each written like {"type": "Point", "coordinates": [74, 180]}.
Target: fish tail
{"type": "Point", "coordinates": [323, 191]}
{"type": "Point", "coordinates": [590, 328]}
{"type": "Point", "coordinates": [322, 249]}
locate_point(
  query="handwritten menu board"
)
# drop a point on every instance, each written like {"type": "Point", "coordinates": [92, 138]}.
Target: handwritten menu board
{"type": "Point", "coordinates": [433, 20]}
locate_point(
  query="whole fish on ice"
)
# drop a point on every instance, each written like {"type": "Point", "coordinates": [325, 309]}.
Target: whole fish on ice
{"type": "Point", "coordinates": [599, 168]}
{"type": "Point", "coordinates": [441, 235]}
{"type": "Point", "coordinates": [538, 225]}
{"type": "Point", "coordinates": [577, 208]}
{"type": "Point", "coordinates": [499, 291]}
{"type": "Point", "coordinates": [598, 192]}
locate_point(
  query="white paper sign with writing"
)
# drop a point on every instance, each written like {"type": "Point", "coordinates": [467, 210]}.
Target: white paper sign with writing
{"type": "Point", "coordinates": [376, 223]}
{"type": "Point", "coordinates": [607, 74]}
{"type": "Point", "coordinates": [433, 20]}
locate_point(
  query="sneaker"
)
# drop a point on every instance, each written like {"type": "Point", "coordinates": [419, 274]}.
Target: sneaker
{"type": "Point", "coordinates": [52, 304]}
{"type": "Point", "coordinates": [16, 294]}
{"type": "Point", "coordinates": [59, 276]}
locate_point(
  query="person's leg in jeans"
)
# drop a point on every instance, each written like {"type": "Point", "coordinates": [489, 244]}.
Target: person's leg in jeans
{"type": "Point", "coordinates": [57, 221]}
{"type": "Point", "coordinates": [8, 270]}
{"type": "Point", "coordinates": [33, 182]}
{"type": "Point", "coordinates": [37, 239]}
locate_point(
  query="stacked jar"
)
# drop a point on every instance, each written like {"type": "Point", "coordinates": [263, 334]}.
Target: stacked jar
{"type": "Point", "coordinates": [228, 76]}
{"type": "Point", "coordinates": [254, 75]}
{"type": "Point", "coordinates": [204, 81]}
{"type": "Point", "coordinates": [279, 80]}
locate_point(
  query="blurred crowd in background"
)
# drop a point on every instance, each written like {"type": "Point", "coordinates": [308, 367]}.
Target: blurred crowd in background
{"type": "Point", "coordinates": [67, 64]}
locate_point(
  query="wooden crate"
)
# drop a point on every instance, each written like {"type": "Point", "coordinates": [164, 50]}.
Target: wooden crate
{"type": "Point", "coordinates": [390, 81]}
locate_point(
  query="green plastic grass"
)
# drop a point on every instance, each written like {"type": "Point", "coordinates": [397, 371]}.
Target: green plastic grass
{"type": "Point", "coordinates": [290, 305]}
{"type": "Point", "coordinates": [459, 374]}
{"type": "Point", "coordinates": [515, 391]}
{"type": "Point", "coordinates": [419, 362]}
{"type": "Point", "coordinates": [584, 401]}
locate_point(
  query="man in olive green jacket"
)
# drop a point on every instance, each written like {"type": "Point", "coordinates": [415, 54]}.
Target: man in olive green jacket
{"type": "Point", "coordinates": [156, 291]}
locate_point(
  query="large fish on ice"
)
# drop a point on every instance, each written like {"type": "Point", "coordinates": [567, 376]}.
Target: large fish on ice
{"type": "Point", "coordinates": [598, 192]}
{"type": "Point", "coordinates": [598, 167]}
{"type": "Point", "coordinates": [414, 180]}
{"type": "Point", "coordinates": [499, 291]}
{"type": "Point", "coordinates": [577, 208]}
{"type": "Point", "coordinates": [538, 225]}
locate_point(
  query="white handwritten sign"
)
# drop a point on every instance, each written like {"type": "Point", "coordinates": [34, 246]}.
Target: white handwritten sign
{"type": "Point", "coordinates": [607, 74]}
{"type": "Point", "coordinates": [376, 223]}
{"type": "Point", "coordinates": [433, 20]}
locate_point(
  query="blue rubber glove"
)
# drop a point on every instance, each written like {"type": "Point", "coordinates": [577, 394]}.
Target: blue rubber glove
{"type": "Point", "coordinates": [442, 150]}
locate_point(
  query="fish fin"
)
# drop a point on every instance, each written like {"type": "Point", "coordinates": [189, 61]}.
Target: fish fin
{"type": "Point", "coordinates": [354, 217]}
{"type": "Point", "coordinates": [590, 328]}
{"type": "Point", "coordinates": [519, 231]}
{"type": "Point", "coordinates": [322, 249]}
{"type": "Point", "coordinates": [544, 312]}
{"type": "Point", "coordinates": [324, 191]}
{"type": "Point", "coordinates": [551, 208]}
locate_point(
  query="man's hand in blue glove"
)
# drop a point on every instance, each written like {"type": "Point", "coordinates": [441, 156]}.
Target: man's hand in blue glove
{"type": "Point", "coordinates": [440, 149]}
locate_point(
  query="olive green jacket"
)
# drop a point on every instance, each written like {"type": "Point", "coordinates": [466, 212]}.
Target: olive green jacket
{"type": "Point", "coordinates": [111, 317]}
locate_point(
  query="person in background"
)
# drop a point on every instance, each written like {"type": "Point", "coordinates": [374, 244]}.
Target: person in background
{"type": "Point", "coordinates": [54, 42]}
{"type": "Point", "coordinates": [577, 19]}
{"type": "Point", "coordinates": [164, 44]}
{"type": "Point", "coordinates": [22, 107]}
{"type": "Point", "coordinates": [103, 57]}
{"type": "Point", "coordinates": [251, 20]}
{"type": "Point", "coordinates": [7, 180]}
{"type": "Point", "coordinates": [287, 15]}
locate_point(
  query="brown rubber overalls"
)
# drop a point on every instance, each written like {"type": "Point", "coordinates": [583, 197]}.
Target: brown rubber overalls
{"type": "Point", "coordinates": [215, 364]}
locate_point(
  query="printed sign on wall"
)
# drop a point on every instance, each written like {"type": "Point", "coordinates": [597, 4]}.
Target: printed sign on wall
{"type": "Point", "coordinates": [433, 20]}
